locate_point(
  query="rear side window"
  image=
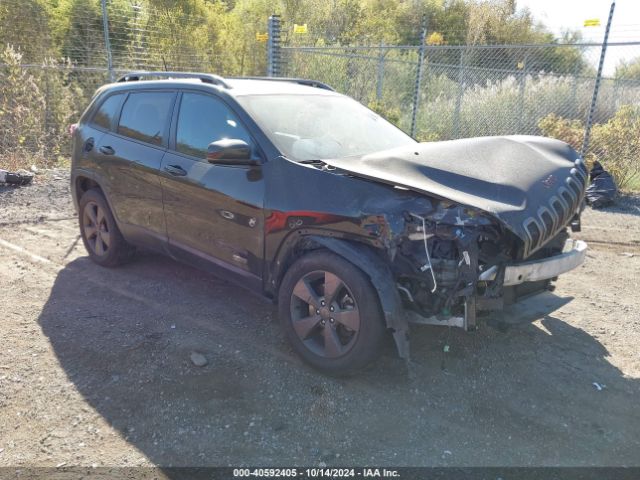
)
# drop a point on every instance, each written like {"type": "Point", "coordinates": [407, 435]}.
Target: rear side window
{"type": "Point", "coordinates": [144, 116]}
{"type": "Point", "coordinates": [107, 111]}
{"type": "Point", "coordinates": [204, 119]}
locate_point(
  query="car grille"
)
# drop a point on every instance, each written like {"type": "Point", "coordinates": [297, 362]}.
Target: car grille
{"type": "Point", "coordinates": [559, 210]}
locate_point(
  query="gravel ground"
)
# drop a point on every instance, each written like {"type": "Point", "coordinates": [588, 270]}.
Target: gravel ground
{"type": "Point", "coordinates": [96, 365]}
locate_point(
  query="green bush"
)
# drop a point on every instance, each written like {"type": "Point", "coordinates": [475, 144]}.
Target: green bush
{"type": "Point", "coordinates": [615, 144]}
{"type": "Point", "coordinates": [36, 107]}
{"type": "Point", "coordinates": [390, 113]}
{"type": "Point", "coordinates": [22, 108]}
{"type": "Point", "coordinates": [567, 130]}
{"type": "Point", "coordinates": [64, 101]}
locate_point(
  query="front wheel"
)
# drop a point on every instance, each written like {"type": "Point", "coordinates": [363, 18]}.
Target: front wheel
{"type": "Point", "coordinates": [331, 313]}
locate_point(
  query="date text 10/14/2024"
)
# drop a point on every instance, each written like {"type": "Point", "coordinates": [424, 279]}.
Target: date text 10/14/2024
{"type": "Point", "coordinates": [318, 472]}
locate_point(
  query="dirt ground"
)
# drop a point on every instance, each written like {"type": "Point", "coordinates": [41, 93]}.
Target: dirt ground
{"type": "Point", "coordinates": [95, 365]}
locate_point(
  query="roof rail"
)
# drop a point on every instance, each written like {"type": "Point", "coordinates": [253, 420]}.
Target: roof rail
{"type": "Point", "coordinates": [300, 81]}
{"type": "Point", "coordinates": [204, 77]}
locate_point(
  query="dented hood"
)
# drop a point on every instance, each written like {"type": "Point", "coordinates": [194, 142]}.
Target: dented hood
{"type": "Point", "coordinates": [510, 177]}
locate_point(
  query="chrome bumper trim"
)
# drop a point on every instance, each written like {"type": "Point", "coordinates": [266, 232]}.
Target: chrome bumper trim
{"type": "Point", "coordinates": [542, 269]}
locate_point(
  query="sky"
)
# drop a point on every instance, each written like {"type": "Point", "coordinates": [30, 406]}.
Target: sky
{"type": "Point", "coordinates": [559, 15]}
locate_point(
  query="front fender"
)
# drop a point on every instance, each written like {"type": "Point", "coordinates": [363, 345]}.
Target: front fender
{"type": "Point", "coordinates": [382, 280]}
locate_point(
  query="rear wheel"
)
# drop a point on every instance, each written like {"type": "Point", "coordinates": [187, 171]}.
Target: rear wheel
{"type": "Point", "coordinates": [100, 234]}
{"type": "Point", "coordinates": [330, 313]}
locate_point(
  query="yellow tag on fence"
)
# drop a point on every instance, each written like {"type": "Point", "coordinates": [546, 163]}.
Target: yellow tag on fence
{"type": "Point", "coordinates": [262, 37]}
{"type": "Point", "coordinates": [592, 22]}
{"type": "Point", "coordinates": [299, 28]}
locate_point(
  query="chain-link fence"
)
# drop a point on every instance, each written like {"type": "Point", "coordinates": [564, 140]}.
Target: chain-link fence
{"type": "Point", "coordinates": [478, 90]}
{"type": "Point", "coordinates": [469, 90]}
{"type": "Point", "coordinates": [50, 72]}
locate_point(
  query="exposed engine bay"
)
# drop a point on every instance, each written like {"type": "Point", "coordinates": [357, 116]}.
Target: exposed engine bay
{"type": "Point", "coordinates": [440, 261]}
{"type": "Point", "coordinates": [451, 263]}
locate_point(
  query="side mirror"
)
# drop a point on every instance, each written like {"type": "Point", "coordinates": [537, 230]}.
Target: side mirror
{"type": "Point", "coordinates": [230, 151]}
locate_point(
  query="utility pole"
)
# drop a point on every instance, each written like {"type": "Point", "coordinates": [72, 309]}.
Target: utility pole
{"type": "Point", "coordinates": [416, 92]}
{"type": "Point", "coordinates": [274, 54]}
{"type": "Point", "coordinates": [596, 88]}
{"type": "Point", "coordinates": [107, 43]}
{"type": "Point", "coordinates": [380, 78]}
{"type": "Point", "coordinates": [136, 7]}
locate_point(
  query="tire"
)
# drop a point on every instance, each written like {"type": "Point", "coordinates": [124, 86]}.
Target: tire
{"type": "Point", "coordinates": [328, 336]}
{"type": "Point", "coordinates": [100, 233]}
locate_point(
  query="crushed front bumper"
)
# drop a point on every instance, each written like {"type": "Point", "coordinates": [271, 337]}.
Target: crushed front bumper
{"type": "Point", "coordinates": [573, 256]}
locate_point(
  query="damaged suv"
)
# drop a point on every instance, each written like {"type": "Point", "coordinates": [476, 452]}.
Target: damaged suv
{"type": "Point", "coordinates": [317, 203]}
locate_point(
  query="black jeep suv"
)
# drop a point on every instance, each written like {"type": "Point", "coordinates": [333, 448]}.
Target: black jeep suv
{"type": "Point", "coordinates": [312, 200]}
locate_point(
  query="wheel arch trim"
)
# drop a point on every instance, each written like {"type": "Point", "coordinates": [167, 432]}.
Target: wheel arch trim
{"type": "Point", "coordinates": [363, 257]}
{"type": "Point", "coordinates": [99, 181]}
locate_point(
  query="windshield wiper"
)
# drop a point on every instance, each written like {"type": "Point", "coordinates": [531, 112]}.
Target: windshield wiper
{"type": "Point", "coordinates": [312, 162]}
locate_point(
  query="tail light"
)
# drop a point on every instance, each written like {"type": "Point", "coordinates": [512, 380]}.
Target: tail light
{"type": "Point", "coordinates": [72, 129]}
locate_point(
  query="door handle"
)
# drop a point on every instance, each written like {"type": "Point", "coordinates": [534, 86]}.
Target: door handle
{"type": "Point", "coordinates": [88, 145]}
{"type": "Point", "coordinates": [107, 150]}
{"type": "Point", "coordinates": [175, 170]}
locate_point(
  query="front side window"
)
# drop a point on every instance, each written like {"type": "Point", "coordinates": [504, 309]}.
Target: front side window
{"type": "Point", "coordinates": [204, 119]}
{"type": "Point", "coordinates": [144, 116]}
{"type": "Point", "coordinates": [107, 111]}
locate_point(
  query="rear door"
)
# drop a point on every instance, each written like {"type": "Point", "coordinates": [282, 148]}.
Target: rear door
{"type": "Point", "coordinates": [212, 212]}
{"type": "Point", "coordinates": [88, 161]}
{"type": "Point", "coordinates": [132, 156]}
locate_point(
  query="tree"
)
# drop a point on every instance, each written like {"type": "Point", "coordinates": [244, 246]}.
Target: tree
{"type": "Point", "coordinates": [79, 31]}
{"type": "Point", "coordinates": [26, 26]}
{"type": "Point", "coordinates": [628, 69]}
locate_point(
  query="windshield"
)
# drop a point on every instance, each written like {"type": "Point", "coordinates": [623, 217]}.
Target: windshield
{"type": "Point", "coordinates": [317, 127]}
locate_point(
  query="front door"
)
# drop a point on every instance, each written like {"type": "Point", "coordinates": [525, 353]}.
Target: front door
{"type": "Point", "coordinates": [213, 212]}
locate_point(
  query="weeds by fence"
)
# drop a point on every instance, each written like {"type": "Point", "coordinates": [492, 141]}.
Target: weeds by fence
{"type": "Point", "coordinates": [469, 90]}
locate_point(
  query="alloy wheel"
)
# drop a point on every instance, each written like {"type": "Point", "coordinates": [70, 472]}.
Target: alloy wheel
{"type": "Point", "coordinates": [96, 229]}
{"type": "Point", "coordinates": [324, 314]}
